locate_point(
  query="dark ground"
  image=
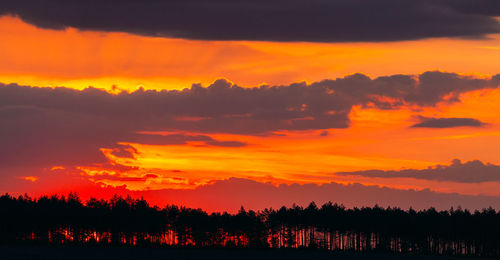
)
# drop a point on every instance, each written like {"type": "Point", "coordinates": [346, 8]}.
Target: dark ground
{"type": "Point", "coordinates": [38, 252]}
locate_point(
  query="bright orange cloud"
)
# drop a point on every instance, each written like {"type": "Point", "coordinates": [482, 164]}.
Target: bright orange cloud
{"type": "Point", "coordinates": [30, 178]}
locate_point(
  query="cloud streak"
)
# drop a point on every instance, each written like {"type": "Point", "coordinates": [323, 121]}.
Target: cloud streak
{"type": "Point", "coordinates": [468, 172]}
{"type": "Point", "coordinates": [427, 122]}
{"type": "Point", "coordinates": [277, 20]}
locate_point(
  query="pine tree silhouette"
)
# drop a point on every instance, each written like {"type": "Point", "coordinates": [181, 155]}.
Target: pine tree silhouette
{"type": "Point", "coordinates": [129, 221]}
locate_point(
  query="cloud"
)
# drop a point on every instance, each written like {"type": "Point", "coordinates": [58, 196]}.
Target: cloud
{"type": "Point", "coordinates": [468, 172]}
{"type": "Point", "coordinates": [277, 20]}
{"type": "Point", "coordinates": [62, 126]}
{"type": "Point", "coordinates": [426, 122]}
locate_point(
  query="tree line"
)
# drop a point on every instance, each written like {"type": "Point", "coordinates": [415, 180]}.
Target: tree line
{"type": "Point", "coordinates": [128, 221]}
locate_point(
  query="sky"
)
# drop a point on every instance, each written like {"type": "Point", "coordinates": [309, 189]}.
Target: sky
{"type": "Point", "coordinates": [257, 103]}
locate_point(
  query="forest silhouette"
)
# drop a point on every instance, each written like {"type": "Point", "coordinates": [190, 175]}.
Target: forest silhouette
{"type": "Point", "coordinates": [133, 222]}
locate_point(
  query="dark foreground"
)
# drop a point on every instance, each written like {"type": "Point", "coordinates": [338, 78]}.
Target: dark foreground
{"type": "Point", "coordinates": [39, 252]}
{"type": "Point", "coordinates": [130, 222]}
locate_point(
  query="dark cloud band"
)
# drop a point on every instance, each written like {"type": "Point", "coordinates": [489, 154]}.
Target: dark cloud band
{"type": "Point", "coordinates": [426, 122]}
{"type": "Point", "coordinates": [53, 126]}
{"type": "Point", "coordinates": [268, 20]}
{"type": "Point", "coordinates": [468, 172]}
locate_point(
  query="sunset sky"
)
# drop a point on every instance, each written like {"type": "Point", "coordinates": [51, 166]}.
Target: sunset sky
{"type": "Point", "coordinates": [217, 104]}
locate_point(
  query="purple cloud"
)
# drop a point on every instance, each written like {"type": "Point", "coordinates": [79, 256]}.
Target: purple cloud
{"type": "Point", "coordinates": [277, 20]}
{"type": "Point", "coordinates": [426, 122]}
{"type": "Point", "coordinates": [62, 126]}
{"type": "Point", "coordinates": [468, 172]}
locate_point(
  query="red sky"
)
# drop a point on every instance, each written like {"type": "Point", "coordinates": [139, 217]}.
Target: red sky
{"type": "Point", "coordinates": [394, 114]}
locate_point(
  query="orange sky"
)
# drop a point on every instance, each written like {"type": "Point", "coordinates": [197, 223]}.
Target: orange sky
{"type": "Point", "coordinates": [376, 139]}
{"type": "Point", "coordinates": [79, 59]}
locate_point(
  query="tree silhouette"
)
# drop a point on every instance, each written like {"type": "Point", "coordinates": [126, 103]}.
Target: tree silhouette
{"type": "Point", "coordinates": [129, 221]}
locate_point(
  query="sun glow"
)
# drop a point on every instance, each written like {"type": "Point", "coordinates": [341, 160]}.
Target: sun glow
{"type": "Point", "coordinates": [30, 178]}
